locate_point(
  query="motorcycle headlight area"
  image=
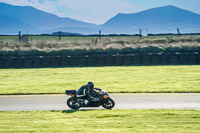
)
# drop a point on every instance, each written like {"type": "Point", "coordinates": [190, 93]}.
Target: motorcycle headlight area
{"type": "Point", "coordinates": [106, 96]}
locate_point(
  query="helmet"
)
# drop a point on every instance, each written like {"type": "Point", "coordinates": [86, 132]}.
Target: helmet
{"type": "Point", "coordinates": [90, 85]}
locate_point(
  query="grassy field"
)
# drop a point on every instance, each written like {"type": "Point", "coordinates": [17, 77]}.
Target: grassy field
{"type": "Point", "coordinates": [93, 121]}
{"type": "Point", "coordinates": [9, 45]}
{"type": "Point", "coordinates": [113, 79]}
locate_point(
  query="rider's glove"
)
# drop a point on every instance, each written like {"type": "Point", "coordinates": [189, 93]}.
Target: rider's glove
{"type": "Point", "coordinates": [99, 89]}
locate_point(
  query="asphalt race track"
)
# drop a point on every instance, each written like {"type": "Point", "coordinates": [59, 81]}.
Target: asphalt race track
{"type": "Point", "coordinates": [122, 101]}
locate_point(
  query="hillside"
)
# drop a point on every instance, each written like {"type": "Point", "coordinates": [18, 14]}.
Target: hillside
{"type": "Point", "coordinates": [8, 25]}
{"type": "Point", "coordinates": [39, 19]}
{"type": "Point", "coordinates": [161, 18]}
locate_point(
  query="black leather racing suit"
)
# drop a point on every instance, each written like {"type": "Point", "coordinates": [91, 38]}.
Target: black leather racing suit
{"type": "Point", "coordinates": [86, 93]}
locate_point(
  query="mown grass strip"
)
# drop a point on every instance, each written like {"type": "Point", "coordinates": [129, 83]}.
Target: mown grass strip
{"type": "Point", "coordinates": [129, 79]}
{"type": "Point", "coordinates": [118, 121]}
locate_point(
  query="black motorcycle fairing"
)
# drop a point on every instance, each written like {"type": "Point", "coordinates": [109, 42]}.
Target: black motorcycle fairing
{"type": "Point", "coordinates": [93, 94]}
{"type": "Point", "coordinates": [93, 103]}
{"type": "Point", "coordinates": [89, 104]}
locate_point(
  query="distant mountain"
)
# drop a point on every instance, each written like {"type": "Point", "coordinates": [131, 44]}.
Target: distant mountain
{"type": "Point", "coordinates": [164, 19]}
{"type": "Point", "coordinates": [39, 19]}
{"type": "Point", "coordinates": [156, 19]}
{"type": "Point", "coordinates": [8, 25]}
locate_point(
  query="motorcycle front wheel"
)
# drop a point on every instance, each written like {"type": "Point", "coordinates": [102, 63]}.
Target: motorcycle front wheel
{"type": "Point", "coordinates": [73, 103]}
{"type": "Point", "coordinates": [109, 104]}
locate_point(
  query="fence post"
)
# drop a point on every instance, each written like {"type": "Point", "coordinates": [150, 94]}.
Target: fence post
{"type": "Point", "coordinates": [178, 31]}
{"type": "Point", "coordinates": [59, 34]}
{"type": "Point", "coordinates": [99, 34]}
{"type": "Point", "coordinates": [19, 36]}
{"type": "Point", "coordinates": [140, 33]}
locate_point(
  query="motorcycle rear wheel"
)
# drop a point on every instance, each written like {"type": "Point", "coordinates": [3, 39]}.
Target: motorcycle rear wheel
{"type": "Point", "coordinates": [109, 104]}
{"type": "Point", "coordinates": [73, 103]}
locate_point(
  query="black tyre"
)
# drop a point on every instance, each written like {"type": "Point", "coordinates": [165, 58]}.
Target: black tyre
{"type": "Point", "coordinates": [109, 104]}
{"type": "Point", "coordinates": [73, 103]}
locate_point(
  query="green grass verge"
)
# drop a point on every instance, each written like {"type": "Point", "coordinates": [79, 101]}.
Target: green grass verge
{"type": "Point", "coordinates": [113, 79]}
{"type": "Point", "coordinates": [93, 121]}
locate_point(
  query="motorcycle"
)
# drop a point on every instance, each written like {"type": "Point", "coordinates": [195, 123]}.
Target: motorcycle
{"type": "Point", "coordinates": [101, 98]}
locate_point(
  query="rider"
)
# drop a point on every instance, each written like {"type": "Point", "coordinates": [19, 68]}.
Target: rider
{"type": "Point", "coordinates": [86, 90]}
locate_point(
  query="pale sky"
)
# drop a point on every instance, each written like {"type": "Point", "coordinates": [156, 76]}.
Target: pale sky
{"type": "Point", "coordinates": [99, 11]}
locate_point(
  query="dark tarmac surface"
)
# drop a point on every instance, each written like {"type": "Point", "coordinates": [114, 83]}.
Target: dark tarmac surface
{"type": "Point", "coordinates": [189, 101]}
